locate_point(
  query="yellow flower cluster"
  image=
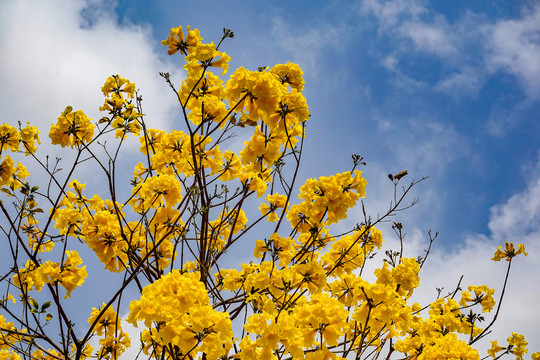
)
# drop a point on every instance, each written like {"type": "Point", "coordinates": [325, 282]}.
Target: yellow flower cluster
{"type": "Point", "coordinates": [229, 222]}
{"type": "Point", "coordinates": [29, 137]}
{"type": "Point", "coordinates": [516, 345]}
{"type": "Point", "coordinates": [178, 153]}
{"type": "Point", "coordinates": [69, 275]}
{"type": "Point", "coordinates": [7, 170]}
{"type": "Point", "coordinates": [349, 302]}
{"type": "Point", "coordinates": [269, 97]}
{"type": "Point", "coordinates": [122, 114]}
{"type": "Point", "coordinates": [10, 139]}
{"type": "Point", "coordinates": [177, 42]}
{"type": "Point", "coordinates": [72, 128]}
{"type": "Point", "coordinates": [435, 337]}
{"type": "Point", "coordinates": [9, 336]}
{"type": "Point", "coordinates": [318, 322]}
{"type": "Point", "coordinates": [351, 251]}
{"type": "Point", "coordinates": [96, 222]}
{"type": "Point", "coordinates": [275, 201]}
{"type": "Point", "coordinates": [108, 326]}
{"type": "Point", "coordinates": [176, 311]}
{"type": "Point", "coordinates": [156, 191]}
{"type": "Point", "coordinates": [36, 242]}
{"type": "Point", "coordinates": [509, 252]}
{"type": "Point", "coordinates": [326, 200]}
{"type": "Point", "coordinates": [483, 295]}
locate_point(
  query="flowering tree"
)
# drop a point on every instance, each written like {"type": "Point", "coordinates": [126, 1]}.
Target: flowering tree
{"type": "Point", "coordinates": [190, 205]}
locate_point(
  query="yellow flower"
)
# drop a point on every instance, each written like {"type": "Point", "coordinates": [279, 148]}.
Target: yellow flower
{"type": "Point", "coordinates": [222, 62]}
{"type": "Point", "coordinates": [156, 191]}
{"type": "Point", "coordinates": [448, 347]}
{"type": "Point", "coordinates": [328, 197]}
{"type": "Point", "coordinates": [29, 136]}
{"type": "Point", "coordinates": [518, 344]}
{"type": "Point", "coordinates": [229, 223]}
{"type": "Point", "coordinates": [102, 234]}
{"type": "Point", "coordinates": [6, 170]}
{"type": "Point", "coordinates": [495, 348]}
{"type": "Point", "coordinates": [260, 248]}
{"type": "Point", "coordinates": [179, 304]}
{"type": "Point", "coordinates": [19, 176]}
{"type": "Point", "coordinates": [406, 275]}
{"type": "Point", "coordinates": [108, 326]}
{"type": "Point", "coordinates": [85, 353]}
{"type": "Point", "coordinates": [484, 295]}
{"type": "Point", "coordinates": [114, 103]}
{"type": "Point", "coordinates": [176, 41]}
{"type": "Point", "coordinates": [116, 84]}
{"type": "Point", "coordinates": [72, 128]}
{"type": "Point", "coordinates": [289, 74]}
{"type": "Point", "coordinates": [254, 93]}
{"type": "Point", "coordinates": [509, 252]}
{"type": "Point", "coordinates": [71, 276]}
{"type": "Point", "coordinates": [9, 138]}
{"type": "Point", "coordinates": [127, 122]}
{"type": "Point", "coordinates": [8, 355]}
{"type": "Point", "coordinates": [275, 201]}
{"type": "Point", "coordinates": [312, 274]}
{"type": "Point", "coordinates": [203, 53]}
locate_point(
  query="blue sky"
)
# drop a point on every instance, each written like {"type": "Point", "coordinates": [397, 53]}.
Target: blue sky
{"type": "Point", "coordinates": [449, 90]}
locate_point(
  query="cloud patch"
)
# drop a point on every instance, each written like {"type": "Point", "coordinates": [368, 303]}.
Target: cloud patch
{"type": "Point", "coordinates": [390, 13]}
{"type": "Point", "coordinates": [514, 48]}
{"type": "Point", "coordinates": [432, 39]}
{"type": "Point", "coordinates": [471, 49]}
{"type": "Point", "coordinates": [306, 46]}
{"type": "Point", "coordinates": [56, 57]}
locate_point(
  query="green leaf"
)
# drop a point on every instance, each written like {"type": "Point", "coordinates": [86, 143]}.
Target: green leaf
{"type": "Point", "coordinates": [45, 306]}
{"type": "Point", "coordinates": [34, 303]}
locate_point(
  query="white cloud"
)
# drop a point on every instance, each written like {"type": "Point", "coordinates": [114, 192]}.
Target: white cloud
{"type": "Point", "coordinates": [390, 13]}
{"type": "Point", "coordinates": [461, 82]}
{"type": "Point", "coordinates": [306, 46]}
{"type": "Point", "coordinates": [514, 47]}
{"type": "Point", "coordinates": [402, 18]}
{"type": "Point", "coordinates": [390, 62]}
{"type": "Point", "coordinates": [432, 39]}
{"type": "Point", "coordinates": [405, 23]}
{"type": "Point", "coordinates": [520, 215]}
{"type": "Point", "coordinates": [510, 46]}
{"type": "Point", "coordinates": [52, 57]}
